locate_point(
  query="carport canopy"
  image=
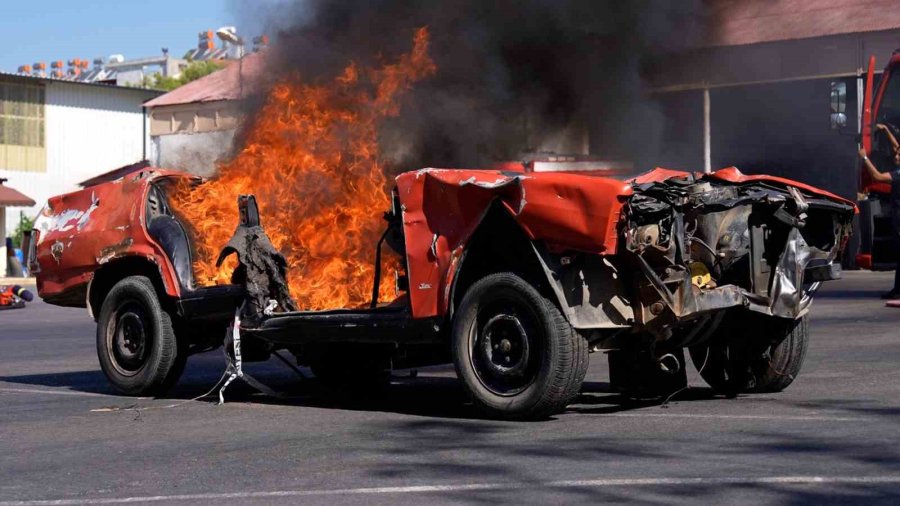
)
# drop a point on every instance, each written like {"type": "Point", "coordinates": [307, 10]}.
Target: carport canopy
{"type": "Point", "coordinates": [10, 197]}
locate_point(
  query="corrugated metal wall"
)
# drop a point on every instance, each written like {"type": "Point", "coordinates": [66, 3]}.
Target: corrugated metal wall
{"type": "Point", "coordinates": [89, 130]}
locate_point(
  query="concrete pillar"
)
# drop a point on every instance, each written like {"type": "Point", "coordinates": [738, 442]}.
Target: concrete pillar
{"type": "Point", "coordinates": [707, 149]}
{"type": "Point", "coordinates": [4, 263]}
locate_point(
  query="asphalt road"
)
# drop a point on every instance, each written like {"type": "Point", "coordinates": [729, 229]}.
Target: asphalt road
{"type": "Point", "coordinates": [832, 437]}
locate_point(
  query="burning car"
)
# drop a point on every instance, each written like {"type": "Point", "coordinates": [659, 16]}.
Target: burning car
{"type": "Point", "coordinates": [514, 277]}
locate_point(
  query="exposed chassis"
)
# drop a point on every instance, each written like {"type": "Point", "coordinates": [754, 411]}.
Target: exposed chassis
{"type": "Point", "coordinates": [691, 248]}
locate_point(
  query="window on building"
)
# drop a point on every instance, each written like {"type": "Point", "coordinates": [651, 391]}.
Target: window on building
{"type": "Point", "coordinates": [22, 127]}
{"type": "Point", "coordinates": [160, 123]}
{"type": "Point", "coordinates": [183, 121]}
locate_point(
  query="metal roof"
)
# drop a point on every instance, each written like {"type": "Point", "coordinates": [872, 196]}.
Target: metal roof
{"type": "Point", "coordinates": [83, 83]}
{"type": "Point", "coordinates": [741, 22]}
{"type": "Point", "coordinates": [10, 197]}
{"type": "Point", "coordinates": [230, 83]}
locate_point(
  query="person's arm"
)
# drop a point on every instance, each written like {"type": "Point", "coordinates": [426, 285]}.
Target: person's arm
{"type": "Point", "coordinates": [879, 177]}
{"type": "Point", "coordinates": [890, 135]}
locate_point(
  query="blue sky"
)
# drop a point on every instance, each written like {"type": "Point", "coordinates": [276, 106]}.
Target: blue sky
{"type": "Point", "coordinates": [48, 30]}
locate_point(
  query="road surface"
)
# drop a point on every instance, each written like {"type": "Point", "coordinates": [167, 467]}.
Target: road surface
{"type": "Point", "coordinates": [832, 437]}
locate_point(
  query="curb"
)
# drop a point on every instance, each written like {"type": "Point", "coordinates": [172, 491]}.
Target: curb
{"type": "Point", "coordinates": [17, 281]}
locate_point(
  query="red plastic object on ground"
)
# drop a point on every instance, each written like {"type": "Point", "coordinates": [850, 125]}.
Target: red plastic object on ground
{"type": "Point", "coordinates": [14, 297]}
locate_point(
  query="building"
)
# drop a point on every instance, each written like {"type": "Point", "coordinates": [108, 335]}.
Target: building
{"type": "Point", "coordinates": [761, 89]}
{"type": "Point", "coordinates": [57, 133]}
{"type": "Point", "coordinates": [193, 126]}
{"type": "Point", "coordinates": [117, 70]}
{"type": "Point", "coordinates": [757, 92]}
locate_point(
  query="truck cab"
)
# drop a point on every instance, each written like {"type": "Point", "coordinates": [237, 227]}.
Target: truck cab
{"type": "Point", "coordinates": [881, 105]}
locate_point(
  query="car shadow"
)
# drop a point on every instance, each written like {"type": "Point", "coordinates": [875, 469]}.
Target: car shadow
{"type": "Point", "coordinates": [93, 382]}
{"type": "Point", "coordinates": [444, 397]}
{"type": "Point", "coordinates": [849, 294]}
{"type": "Point", "coordinates": [201, 373]}
{"type": "Point", "coordinates": [434, 393]}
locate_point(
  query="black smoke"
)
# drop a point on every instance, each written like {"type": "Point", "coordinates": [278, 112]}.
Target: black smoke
{"type": "Point", "coordinates": [513, 76]}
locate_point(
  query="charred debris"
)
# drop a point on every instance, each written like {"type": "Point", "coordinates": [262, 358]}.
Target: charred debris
{"type": "Point", "coordinates": [704, 244]}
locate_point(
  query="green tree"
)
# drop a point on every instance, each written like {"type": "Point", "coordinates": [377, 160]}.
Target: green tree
{"type": "Point", "coordinates": [193, 71]}
{"type": "Point", "coordinates": [25, 223]}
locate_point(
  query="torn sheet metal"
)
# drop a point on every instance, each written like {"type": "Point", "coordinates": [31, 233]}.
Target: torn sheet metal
{"type": "Point", "coordinates": [262, 269]}
{"type": "Point", "coordinates": [442, 209]}
{"type": "Point", "coordinates": [262, 272]}
{"type": "Point", "coordinates": [787, 280]}
{"type": "Point", "coordinates": [732, 175]}
{"type": "Point", "coordinates": [753, 236]}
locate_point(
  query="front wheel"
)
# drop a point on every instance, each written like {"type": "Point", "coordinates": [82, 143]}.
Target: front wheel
{"type": "Point", "coordinates": [740, 365]}
{"type": "Point", "coordinates": [136, 343]}
{"type": "Point", "coordinates": [514, 351]}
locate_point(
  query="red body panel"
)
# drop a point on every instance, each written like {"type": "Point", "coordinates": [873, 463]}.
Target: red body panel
{"type": "Point", "coordinates": [659, 175]}
{"type": "Point", "coordinates": [864, 180]}
{"type": "Point", "coordinates": [81, 231]}
{"type": "Point", "coordinates": [442, 208]}
{"type": "Point", "coordinates": [870, 111]}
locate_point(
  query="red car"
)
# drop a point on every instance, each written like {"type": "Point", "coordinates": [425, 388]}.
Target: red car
{"type": "Point", "coordinates": [514, 277]}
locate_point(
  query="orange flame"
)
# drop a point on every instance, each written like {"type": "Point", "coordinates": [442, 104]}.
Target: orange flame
{"type": "Point", "coordinates": [311, 158]}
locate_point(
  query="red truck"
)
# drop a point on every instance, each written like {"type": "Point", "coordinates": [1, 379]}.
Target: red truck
{"type": "Point", "coordinates": [881, 105]}
{"type": "Point", "coordinates": [514, 277]}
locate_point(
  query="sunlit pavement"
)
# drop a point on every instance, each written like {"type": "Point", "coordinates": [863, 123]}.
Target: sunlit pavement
{"type": "Point", "coordinates": [830, 438]}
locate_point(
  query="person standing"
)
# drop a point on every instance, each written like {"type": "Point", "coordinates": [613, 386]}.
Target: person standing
{"type": "Point", "coordinates": [893, 177]}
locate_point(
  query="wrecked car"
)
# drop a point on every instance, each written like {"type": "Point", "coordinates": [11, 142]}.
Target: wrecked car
{"type": "Point", "coordinates": [514, 277]}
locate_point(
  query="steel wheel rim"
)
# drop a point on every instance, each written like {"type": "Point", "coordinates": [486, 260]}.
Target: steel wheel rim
{"type": "Point", "coordinates": [504, 346]}
{"type": "Point", "coordinates": [128, 338]}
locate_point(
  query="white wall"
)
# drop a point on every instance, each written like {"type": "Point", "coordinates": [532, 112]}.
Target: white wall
{"type": "Point", "coordinates": [89, 130]}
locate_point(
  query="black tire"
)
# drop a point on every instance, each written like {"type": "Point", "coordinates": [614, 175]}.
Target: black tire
{"type": "Point", "coordinates": [735, 366]}
{"type": "Point", "coordinates": [136, 343]}
{"type": "Point", "coordinates": [540, 362]}
{"type": "Point", "coordinates": [582, 355]}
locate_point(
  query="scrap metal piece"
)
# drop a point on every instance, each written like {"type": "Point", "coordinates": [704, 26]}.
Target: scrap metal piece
{"type": "Point", "coordinates": [262, 269]}
{"type": "Point", "coordinates": [234, 369]}
{"type": "Point", "coordinates": [786, 290]}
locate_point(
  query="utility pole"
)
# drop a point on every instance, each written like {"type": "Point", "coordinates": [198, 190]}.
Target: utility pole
{"type": "Point", "coordinates": [707, 149]}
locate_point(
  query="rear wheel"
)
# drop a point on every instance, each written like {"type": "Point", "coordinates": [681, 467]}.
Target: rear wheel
{"type": "Point", "coordinates": [514, 351]}
{"type": "Point", "coordinates": [739, 365]}
{"type": "Point", "coordinates": [136, 343]}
